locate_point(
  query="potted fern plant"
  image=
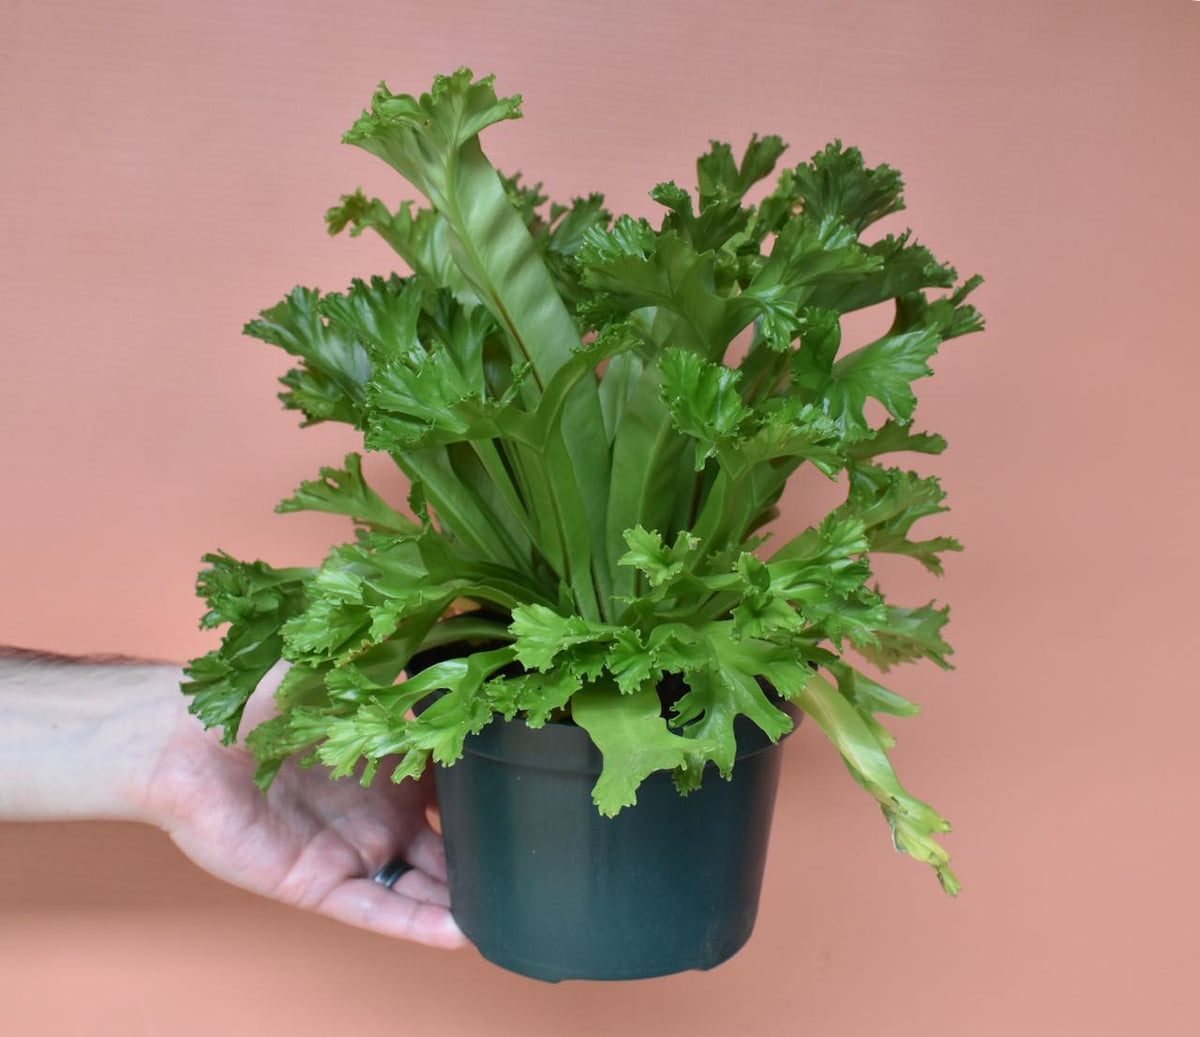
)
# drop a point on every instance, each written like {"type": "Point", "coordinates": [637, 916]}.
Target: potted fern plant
{"type": "Point", "coordinates": [603, 648]}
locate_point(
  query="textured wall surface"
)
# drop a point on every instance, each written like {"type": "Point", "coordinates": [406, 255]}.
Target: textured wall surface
{"type": "Point", "coordinates": [163, 172]}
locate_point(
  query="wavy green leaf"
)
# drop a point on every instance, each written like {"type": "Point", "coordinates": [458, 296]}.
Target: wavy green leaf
{"type": "Point", "coordinates": [633, 739]}
{"type": "Point", "coordinates": [913, 822]}
{"type": "Point", "coordinates": [344, 491]}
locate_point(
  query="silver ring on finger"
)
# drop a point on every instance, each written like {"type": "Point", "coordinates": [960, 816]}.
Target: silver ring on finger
{"type": "Point", "coordinates": [388, 875]}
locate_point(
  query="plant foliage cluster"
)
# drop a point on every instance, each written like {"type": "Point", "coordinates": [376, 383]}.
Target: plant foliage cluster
{"type": "Point", "coordinates": [591, 469]}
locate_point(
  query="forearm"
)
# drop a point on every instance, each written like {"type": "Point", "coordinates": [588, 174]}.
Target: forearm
{"type": "Point", "coordinates": [82, 739]}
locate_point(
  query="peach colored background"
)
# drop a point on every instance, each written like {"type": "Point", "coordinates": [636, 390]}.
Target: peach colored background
{"type": "Point", "coordinates": [163, 174]}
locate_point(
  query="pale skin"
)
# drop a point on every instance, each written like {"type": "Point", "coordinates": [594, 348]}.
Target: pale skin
{"type": "Point", "coordinates": [114, 740]}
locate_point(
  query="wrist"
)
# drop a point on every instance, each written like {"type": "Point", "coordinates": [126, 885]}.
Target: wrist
{"type": "Point", "coordinates": [163, 731]}
{"type": "Point", "coordinates": [82, 739]}
{"type": "Point", "coordinates": [166, 788]}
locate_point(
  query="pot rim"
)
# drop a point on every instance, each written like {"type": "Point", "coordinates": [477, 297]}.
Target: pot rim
{"type": "Point", "coordinates": [565, 746]}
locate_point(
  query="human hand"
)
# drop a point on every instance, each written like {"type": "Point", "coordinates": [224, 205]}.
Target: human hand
{"type": "Point", "coordinates": [310, 842]}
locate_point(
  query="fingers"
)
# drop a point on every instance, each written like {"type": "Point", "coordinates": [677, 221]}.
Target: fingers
{"type": "Point", "coordinates": [428, 853]}
{"type": "Point", "coordinates": [261, 706]}
{"type": "Point", "coordinates": [399, 912]}
{"type": "Point", "coordinates": [419, 886]}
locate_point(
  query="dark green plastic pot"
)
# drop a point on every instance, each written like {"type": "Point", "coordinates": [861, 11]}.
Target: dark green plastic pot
{"type": "Point", "coordinates": [546, 887]}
